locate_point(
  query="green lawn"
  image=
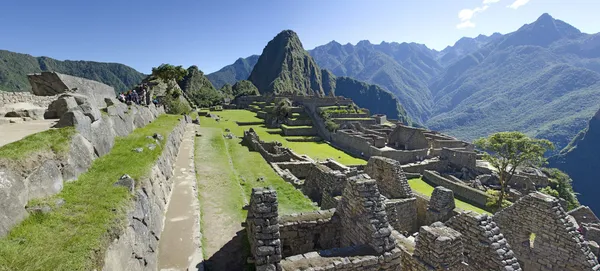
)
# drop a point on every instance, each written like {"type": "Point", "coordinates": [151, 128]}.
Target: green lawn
{"type": "Point", "coordinates": [76, 235]}
{"type": "Point", "coordinates": [53, 140]}
{"type": "Point", "coordinates": [421, 187]}
{"type": "Point", "coordinates": [316, 150]}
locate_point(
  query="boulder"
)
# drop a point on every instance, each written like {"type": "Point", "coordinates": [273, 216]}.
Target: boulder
{"type": "Point", "coordinates": [16, 114]}
{"type": "Point", "coordinates": [52, 83]}
{"type": "Point", "coordinates": [60, 106]}
{"type": "Point", "coordinates": [103, 136]}
{"type": "Point", "coordinates": [126, 182]}
{"type": "Point", "coordinates": [80, 158]}
{"type": "Point", "coordinates": [111, 101]}
{"type": "Point", "coordinates": [138, 120]}
{"type": "Point", "coordinates": [81, 122]}
{"type": "Point", "coordinates": [128, 120]}
{"type": "Point", "coordinates": [36, 114]}
{"type": "Point", "coordinates": [116, 111]}
{"type": "Point", "coordinates": [45, 181]}
{"type": "Point", "coordinates": [119, 126]}
{"type": "Point", "coordinates": [90, 110]}
{"type": "Point", "coordinates": [13, 198]}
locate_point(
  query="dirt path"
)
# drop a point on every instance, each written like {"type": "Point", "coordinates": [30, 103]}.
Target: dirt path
{"type": "Point", "coordinates": [221, 202]}
{"type": "Point", "coordinates": [179, 247]}
{"type": "Point", "coordinates": [16, 131]}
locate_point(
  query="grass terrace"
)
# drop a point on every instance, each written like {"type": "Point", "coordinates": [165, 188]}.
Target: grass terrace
{"type": "Point", "coordinates": [341, 110]}
{"type": "Point", "coordinates": [76, 235]}
{"type": "Point", "coordinates": [420, 186]}
{"type": "Point", "coordinates": [295, 127]}
{"type": "Point", "coordinates": [316, 150]}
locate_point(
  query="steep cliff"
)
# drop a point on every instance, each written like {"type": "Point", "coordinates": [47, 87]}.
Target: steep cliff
{"type": "Point", "coordinates": [579, 159]}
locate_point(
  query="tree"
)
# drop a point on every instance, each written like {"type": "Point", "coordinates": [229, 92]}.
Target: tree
{"type": "Point", "coordinates": [507, 151]}
{"type": "Point", "coordinates": [171, 75]}
{"type": "Point", "coordinates": [227, 90]}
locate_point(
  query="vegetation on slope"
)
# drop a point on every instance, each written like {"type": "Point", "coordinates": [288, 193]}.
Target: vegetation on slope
{"type": "Point", "coordinates": [199, 89]}
{"type": "Point", "coordinates": [372, 97]}
{"type": "Point", "coordinates": [14, 68]}
{"type": "Point", "coordinates": [76, 235]}
{"type": "Point", "coordinates": [579, 160]}
{"type": "Point", "coordinates": [230, 74]}
{"type": "Point", "coordinates": [285, 67]}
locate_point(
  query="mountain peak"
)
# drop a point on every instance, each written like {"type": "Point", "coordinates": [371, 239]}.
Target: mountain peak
{"type": "Point", "coordinates": [285, 67]}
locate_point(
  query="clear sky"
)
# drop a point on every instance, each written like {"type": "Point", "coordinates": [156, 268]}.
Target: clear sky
{"type": "Point", "coordinates": [212, 34]}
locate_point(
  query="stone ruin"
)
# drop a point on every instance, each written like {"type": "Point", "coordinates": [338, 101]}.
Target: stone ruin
{"type": "Point", "coordinates": [95, 134]}
{"type": "Point", "coordinates": [378, 223]}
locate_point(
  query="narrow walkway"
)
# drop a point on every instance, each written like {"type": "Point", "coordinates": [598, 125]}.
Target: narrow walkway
{"type": "Point", "coordinates": [16, 131]}
{"type": "Point", "coordinates": [179, 247]}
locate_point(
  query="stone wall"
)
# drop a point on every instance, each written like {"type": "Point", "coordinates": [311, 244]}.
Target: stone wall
{"type": "Point", "coordinates": [441, 205]}
{"type": "Point", "coordinates": [402, 214]}
{"type": "Point", "coordinates": [323, 180]}
{"type": "Point", "coordinates": [8, 98]}
{"type": "Point", "coordinates": [437, 247]}
{"type": "Point", "coordinates": [390, 178]}
{"type": "Point", "coordinates": [306, 232]}
{"type": "Point", "coordinates": [272, 152]}
{"type": "Point", "coordinates": [408, 138]}
{"type": "Point", "coordinates": [295, 131]}
{"type": "Point", "coordinates": [363, 217]}
{"type": "Point", "coordinates": [485, 248]}
{"type": "Point", "coordinates": [137, 244]}
{"type": "Point", "coordinates": [262, 225]}
{"type": "Point", "coordinates": [465, 192]}
{"type": "Point", "coordinates": [52, 83]}
{"type": "Point", "coordinates": [555, 244]}
{"type": "Point", "coordinates": [459, 159]}
{"type": "Point", "coordinates": [434, 164]}
{"type": "Point", "coordinates": [45, 174]}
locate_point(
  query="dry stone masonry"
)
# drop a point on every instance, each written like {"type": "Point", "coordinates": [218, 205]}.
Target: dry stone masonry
{"type": "Point", "coordinates": [135, 247]}
{"type": "Point", "coordinates": [263, 229]}
{"type": "Point", "coordinates": [46, 173]}
{"type": "Point", "coordinates": [542, 237]}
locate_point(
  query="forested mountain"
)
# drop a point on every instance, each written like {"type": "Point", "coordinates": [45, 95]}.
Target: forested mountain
{"type": "Point", "coordinates": [239, 70]}
{"type": "Point", "coordinates": [539, 80]}
{"type": "Point", "coordinates": [199, 89]}
{"type": "Point", "coordinates": [14, 68]}
{"type": "Point", "coordinates": [580, 159]}
{"type": "Point", "coordinates": [286, 68]}
{"type": "Point", "coordinates": [542, 79]}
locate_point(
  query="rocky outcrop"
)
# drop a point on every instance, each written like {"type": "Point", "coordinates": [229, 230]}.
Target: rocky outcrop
{"type": "Point", "coordinates": [136, 247]}
{"type": "Point", "coordinates": [44, 174]}
{"type": "Point", "coordinates": [52, 83]}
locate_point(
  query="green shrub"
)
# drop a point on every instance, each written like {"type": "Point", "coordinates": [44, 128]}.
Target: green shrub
{"type": "Point", "coordinates": [492, 202]}
{"type": "Point", "coordinates": [331, 125]}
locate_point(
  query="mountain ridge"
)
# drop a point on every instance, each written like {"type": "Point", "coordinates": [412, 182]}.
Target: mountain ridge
{"type": "Point", "coordinates": [14, 68]}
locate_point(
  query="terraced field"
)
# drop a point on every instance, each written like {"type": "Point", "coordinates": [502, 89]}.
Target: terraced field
{"type": "Point", "coordinates": [316, 150]}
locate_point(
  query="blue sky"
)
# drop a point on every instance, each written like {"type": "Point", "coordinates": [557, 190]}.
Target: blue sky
{"type": "Point", "coordinates": [212, 34]}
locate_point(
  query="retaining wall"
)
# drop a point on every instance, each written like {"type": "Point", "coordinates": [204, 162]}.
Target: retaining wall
{"type": "Point", "coordinates": [45, 174]}
{"type": "Point", "coordinates": [7, 98]}
{"type": "Point", "coordinates": [466, 193]}
{"type": "Point", "coordinates": [137, 244]}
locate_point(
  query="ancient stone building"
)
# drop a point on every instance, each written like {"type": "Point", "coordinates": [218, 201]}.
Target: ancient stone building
{"type": "Point", "coordinates": [543, 237]}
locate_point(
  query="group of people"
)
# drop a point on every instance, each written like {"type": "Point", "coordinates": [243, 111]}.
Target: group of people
{"type": "Point", "coordinates": [138, 97]}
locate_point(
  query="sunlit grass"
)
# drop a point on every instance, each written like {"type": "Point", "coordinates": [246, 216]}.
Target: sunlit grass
{"type": "Point", "coordinates": [421, 187]}
{"type": "Point", "coordinates": [76, 235]}
{"type": "Point", "coordinates": [316, 150]}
